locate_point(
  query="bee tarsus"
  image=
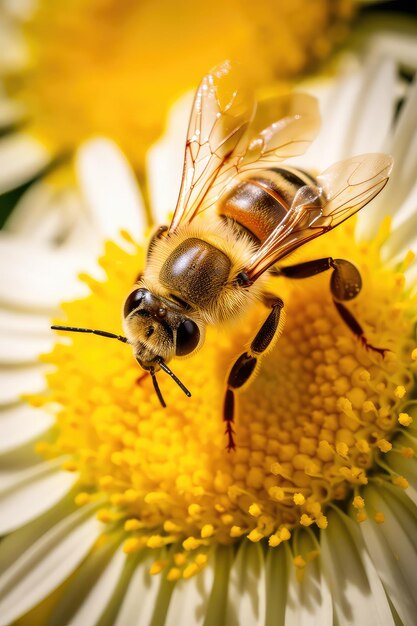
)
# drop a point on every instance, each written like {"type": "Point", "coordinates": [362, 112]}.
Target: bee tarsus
{"type": "Point", "coordinates": [357, 329]}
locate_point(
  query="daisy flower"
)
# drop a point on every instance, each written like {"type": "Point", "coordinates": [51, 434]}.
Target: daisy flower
{"type": "Point", "coordinates": [119, 512]}
{"type": "Point", "coordinates": [66, 75]}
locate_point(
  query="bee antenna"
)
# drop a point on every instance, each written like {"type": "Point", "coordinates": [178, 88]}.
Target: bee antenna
{"type": "Point", "coordinates": [156, 387]}
{"type": "Point", "coordinates": [166, 369]}
{"type": "Point", "coordinates": [101, 333]}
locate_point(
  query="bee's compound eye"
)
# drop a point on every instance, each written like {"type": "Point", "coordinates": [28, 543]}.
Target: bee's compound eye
{"type": "Point", "coordinates": [133, 301]}
{"type": "Point", "coordinates": [188, 336]}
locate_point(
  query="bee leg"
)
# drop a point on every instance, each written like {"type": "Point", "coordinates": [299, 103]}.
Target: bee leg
{"type": "Point", "coordinates": [345, 284]}
{"type": "Point", "coordinates": [356, 328]}
{"type": "Point", "coordinates": [245, 364]}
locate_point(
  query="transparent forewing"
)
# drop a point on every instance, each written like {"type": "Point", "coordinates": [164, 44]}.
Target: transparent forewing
{"type": "Point", "coordinates": [290, 136]}
{"type": "Point", "coordinates": [222, 111]}
{"type": "Point", "coordinates": [262, 148]}
{"type": "Point", "coordinates": [341, 191]}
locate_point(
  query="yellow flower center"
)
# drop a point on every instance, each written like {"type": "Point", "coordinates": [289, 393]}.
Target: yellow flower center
{"type": "Point", "coordinates": [312, 427]}
{"type": "Point", "coordinates": [112, 67]}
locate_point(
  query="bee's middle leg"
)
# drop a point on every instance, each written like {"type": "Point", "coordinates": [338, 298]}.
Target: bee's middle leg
{"type": "Point", "coordinates": [245, 364]}
{"type": "Point", "coordinates": [345, 284]}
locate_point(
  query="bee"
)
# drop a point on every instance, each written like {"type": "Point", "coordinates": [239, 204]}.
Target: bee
{"type": "Point", "coordinates": [240, 212]}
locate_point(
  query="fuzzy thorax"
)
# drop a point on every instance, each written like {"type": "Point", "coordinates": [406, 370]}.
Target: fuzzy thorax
{"type": "Point", "coordinates": [221, 301]}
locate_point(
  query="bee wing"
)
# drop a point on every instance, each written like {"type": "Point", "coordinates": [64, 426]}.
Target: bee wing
{"type": "Point", "coordinates": [342, 190]}
{"type": "Point", "coordinates": [222, 111]}
{"type": "Point", "coordinates": [288, 137]}
{"type": "Point", "coordinates": [299, 123]}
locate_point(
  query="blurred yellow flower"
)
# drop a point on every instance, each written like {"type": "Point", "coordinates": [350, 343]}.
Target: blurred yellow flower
{"type": "Point", "coordinates": [112, 67]}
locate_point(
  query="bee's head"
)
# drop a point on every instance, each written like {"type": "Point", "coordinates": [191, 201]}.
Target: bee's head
{"type": "Point", "coordinates": [158, 328]}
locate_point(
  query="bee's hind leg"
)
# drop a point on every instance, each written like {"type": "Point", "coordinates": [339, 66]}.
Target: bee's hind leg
{"type": "Point", "coordinates": [244, 366]}
{"type": "Point", "coordinates": [345, 284]}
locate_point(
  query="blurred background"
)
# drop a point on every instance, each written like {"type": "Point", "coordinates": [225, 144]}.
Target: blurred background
{"type": "Point", "coordinates": [71, 71]}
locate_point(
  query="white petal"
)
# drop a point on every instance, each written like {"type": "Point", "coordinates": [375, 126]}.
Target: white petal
{"type": "Point", "coordinates": [189, 600]}
{"type": "Point", "coordinates": [45, 213]}
{"type": "Point", "coordinates": [28, 493]}
{"type": "Point", "coordinates": [21, 158]}
{"type": "Point", "coordinates": [398, 45]}
{"type": "Point", "coordinates": [24, 323]}
{"type": "Point", "coordinates": [110, 189]}
{"type": "Point", "coordinates": [86, 598]}
{"type": "Point", "coordinates": [21, 423]}
{"type": "Point", "coordinates": [334, 134]}
{"type": "Point", "coordinates": [165, 161]}
{"type": "Point", "coordinates": [393, 546]}
{"type": "Point", "coordinates": [147, 597]}
{"type": "Point", "coordinates": [46, 564]}
{"type": "Point", "coordinates": [35, 278]}
{"type": "Point", "coordinates": [403, 148]}
{"type": "Point", "coordinates": [20, 8]}
{"type": "Point", "coordinates": [246, 593]}
{"type": "Point", "coordinates": [55, 217]}
{"type": "Point", "coordinates": [358, 595]}
{"type": "Point", "coordinates": [403, 235]}
{"type": "Point", "coordinates": [374, 110]}
{"type": "Point", "coordinates": [15, 544]}
{"type": "Point", "coordinates": [216, 609]}
{"type": "Point", "coordinates": [278, 566]}
{"type": "Point", "coordinates": [15, 350]}
{"type": "Point", "coordinates": [15, 382]}
{"type": "Point", "coordinates": [309, 602]}
{"type": "Point", "coordinates": [13, 50]}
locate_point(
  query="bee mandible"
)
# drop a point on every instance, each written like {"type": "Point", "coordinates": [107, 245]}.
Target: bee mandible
{"type": "Point", "coordinates": [241, 211]}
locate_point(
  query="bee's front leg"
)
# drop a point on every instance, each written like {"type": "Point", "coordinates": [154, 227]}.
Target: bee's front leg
{"type": "Point", "coordinates": [345, 284]}
{"type": "Point", "coordinates": [244, 366]}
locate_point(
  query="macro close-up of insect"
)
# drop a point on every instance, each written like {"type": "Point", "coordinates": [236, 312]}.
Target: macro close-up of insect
{"type": "Point", "coordinates": [241, 211]}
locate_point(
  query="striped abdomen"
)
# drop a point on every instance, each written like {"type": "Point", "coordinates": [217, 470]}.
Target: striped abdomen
{"type": "Point", "coordinates": [258, 203]}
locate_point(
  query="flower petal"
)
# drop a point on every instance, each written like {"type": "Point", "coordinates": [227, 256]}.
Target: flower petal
{"type": "Point", "coordinates": [15, 350]}
{"type": "Point", "coordinates": [404, 227]}
{"type": "Point", "coordinates": [21, 158]}
{"type": "Point", "coordinates": [46, 564]}
{"type": "Point", "coordinates": [165, 161]}
{"type": "Point", "coordinates": [216, 608]}
{"type": "Point", "coordinates": [13, 50]}
{"type": "Point", "coordinates": [403, 148]}
{"type": "Point", "coordinates": [20, 423]}
{"type": "Point", "coordinates": [45, 212]}
{"type": "Point", "coordinates": [395, 43]}
{"type": "Point", "coordinates": [334, 134]}
{"type": "Point", "coordinates": [374, 109]}
{"type": "Point", "coordinates": [42, 485]}
{"type": "Point", "coordinates": [147, 597]}
{"type": "Point", "coordinates": [24, 323]}
{"type": "Point", "coordinates": [190, 598]}
{"type": "Point", "coordinates": [16, 543]}
{"type": "Point", "coordinates": [358, 595]}
{"type": "Point", "coordinates": [15, 382]}
{"type": "Point", "coordinates": [246, 602]}
{"type": "Point", "coordinates": [308, 602]}
{"type": "Point", "coordinates": [88, 594]}
{"type": "Point", "coordinates": [20, 9]}
{"type": "Point", "coordinates": [110, 189]}
{"type": "Point", "coordinates": [393, 546]}
{"type": "Point", "coordinates": [277, 566]}
{"type": "Point", "coordinates": [35, 278]}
